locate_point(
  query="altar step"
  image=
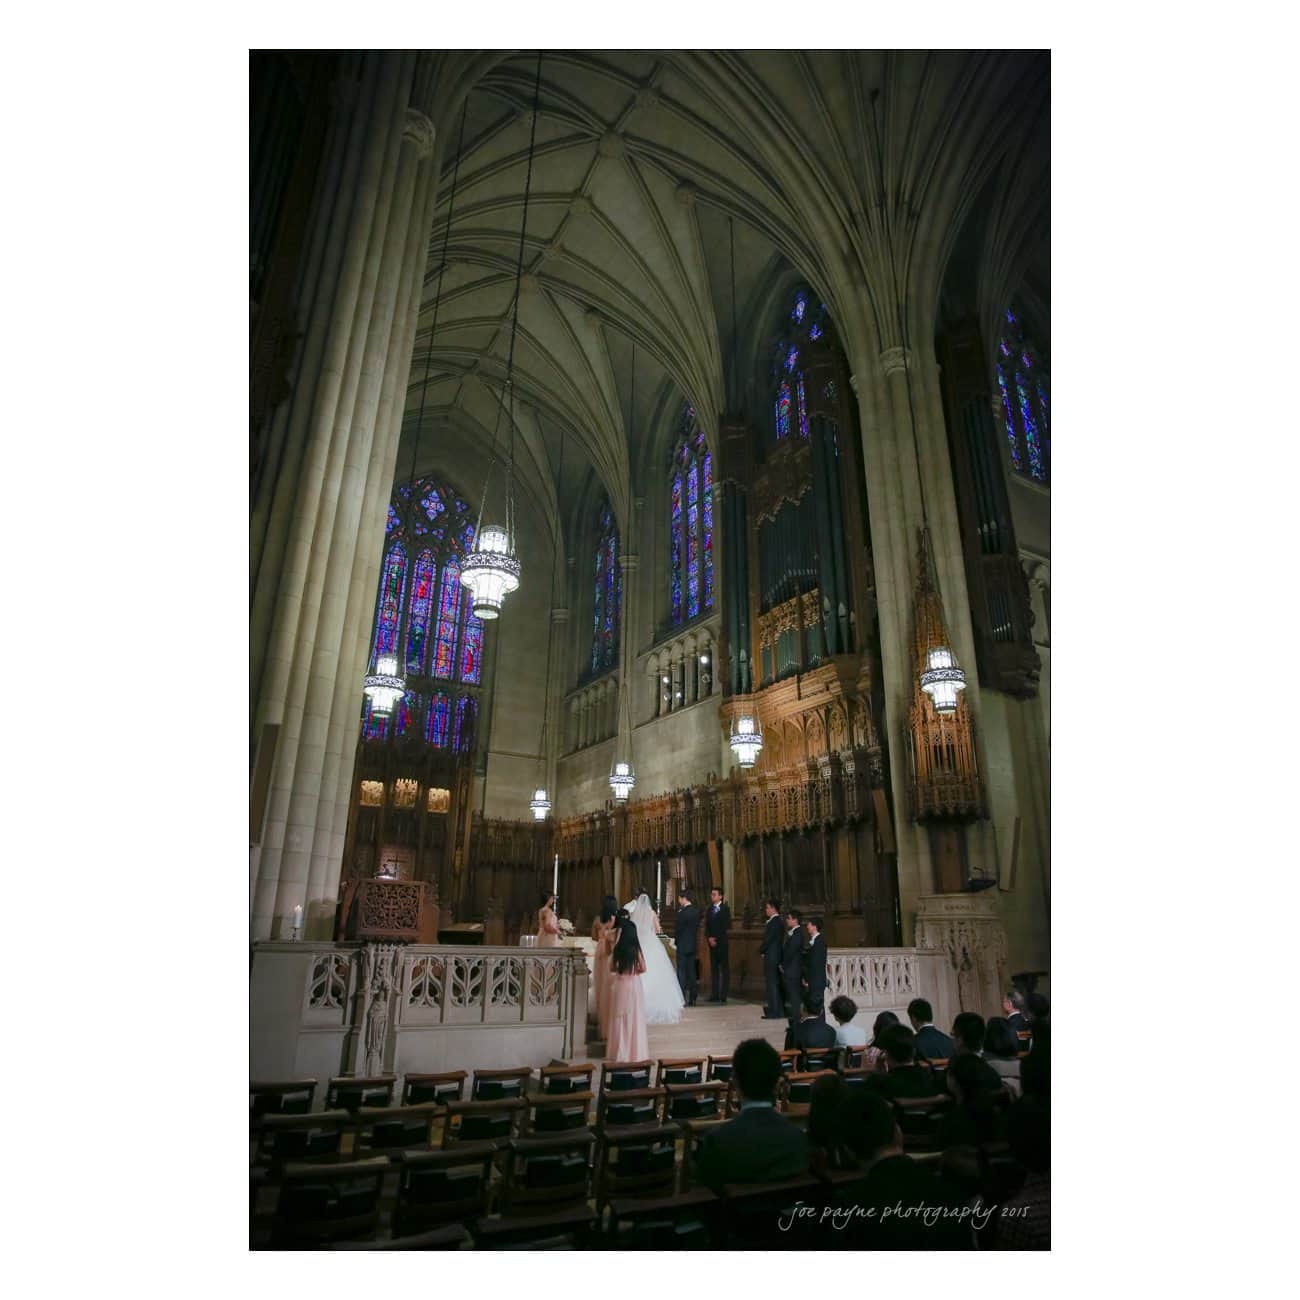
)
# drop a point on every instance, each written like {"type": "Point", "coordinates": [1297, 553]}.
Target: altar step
{"type": "Point", "coordinates": [706, 1029]}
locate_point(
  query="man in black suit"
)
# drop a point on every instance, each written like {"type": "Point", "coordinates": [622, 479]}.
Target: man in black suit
{"type": "Point", "coordinates": [1013, 1007]}
{"type": "Point", "coordinates": [687, 937]}
{"type": "Point", "coordinates": [814, 963]}
{"type": "Point", "coordinates": [792, 965]}
{"type": "Point", "coordinates": [812, 1030]}
{"type": "Point", "coordinates": [717, 922]}
{"type": "Point", "coordinates": [759, 1145]}
{"type": "Point", "coordinates": [771, 950]}
{"type": "Point", "coordinates": [931, 1043]}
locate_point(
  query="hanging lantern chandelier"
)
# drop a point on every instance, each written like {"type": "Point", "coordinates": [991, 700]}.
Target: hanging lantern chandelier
{"type": "Point", "coordinates": [622, 778]}
{"type": "Point", "coordinates": [491, 570]}
{"type": "Point", "coordinates": [540, 804]}
{"type": "Point", "coordinates": [746, 740]}
{"type": "Point", "coordinates": [941, 675]}
{"type": "Point", "coordinates": [385, 685]}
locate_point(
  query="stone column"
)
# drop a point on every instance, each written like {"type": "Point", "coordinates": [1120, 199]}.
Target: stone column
{"type": "Point", "coordinates": [555, 703]}
{"type": "Point", "coordinates": [692, 665]}
{"type": "Point", "coordinates": [317, 511]}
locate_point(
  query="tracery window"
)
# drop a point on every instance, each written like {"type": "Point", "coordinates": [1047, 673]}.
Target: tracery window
{"type": "Point", "coordinates": [690, 523]}
{"type": "Point", "coordinates": [422, 617]}
{"type": "Point", "coordinates": [806, 323]}
{"type": "Point", "coordinates": [1022, 386]}
{"type": "Point", "coordinates": [608, 594]}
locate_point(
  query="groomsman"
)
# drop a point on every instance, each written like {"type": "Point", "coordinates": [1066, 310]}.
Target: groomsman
{"type": "Point", "coordinates": [773, 935]}
{"type": "Point", "coordinates": [814, 963]}
{"type": "Point", "coordinates": [716, 925]}
{"type": "Point", "coordinates": [687, 937]}
{"type": "Point", "coordinates": [792, 965]}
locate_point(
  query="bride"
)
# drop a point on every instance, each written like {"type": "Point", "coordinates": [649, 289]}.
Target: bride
{"type": "Point", "coordinates": [663, 995]}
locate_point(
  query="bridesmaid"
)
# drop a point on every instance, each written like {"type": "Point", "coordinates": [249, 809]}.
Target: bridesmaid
{"type": "Point", "coordinates": [626, 1039]}
{"type": "Point", "coordinates": [602, 932]}
{"type": "Point", "coordinates": [548, 925]}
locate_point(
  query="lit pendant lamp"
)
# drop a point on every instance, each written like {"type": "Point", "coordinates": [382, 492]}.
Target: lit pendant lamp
{"type": "Point", "coordinates": [942, 678]}
{"type": "Point", "coordinates": [491, 570]}
{"type": "Point", "coordinates": [746, 740]}
{"type": "Point", "coordinates": [385, 685]}
{"type": "Point", "coordinates": [621, 780]}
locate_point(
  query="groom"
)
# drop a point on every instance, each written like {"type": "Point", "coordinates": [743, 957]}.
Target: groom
{"type": "Point", "coordinates": [687, 937]}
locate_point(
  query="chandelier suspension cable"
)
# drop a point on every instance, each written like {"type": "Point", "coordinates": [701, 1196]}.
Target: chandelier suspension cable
{"type": "Point", "coordinates": [622, 776]}
{"type": "Point", "coordinates": [386, 685]}
{"type": "Point", "coordinates": [541, 802]}
{"type": "Point", "coordinates": [731, 240]}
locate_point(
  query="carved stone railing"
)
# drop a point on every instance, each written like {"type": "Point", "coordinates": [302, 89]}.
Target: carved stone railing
{"type": "Point", "coordinates": [346, 1008]}
{"type": "Point", "coordinates": [887, 979]}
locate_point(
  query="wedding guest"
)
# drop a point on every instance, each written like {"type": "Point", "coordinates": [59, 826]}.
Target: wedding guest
{"type": "Point", "coordinates": [1013, 1008]}
{"type": "Point", "coordinates": [874, 1057]}
{"type": "Point", "coordinates": [847, 1034]}
{"type": "Point", "coordinates": [814, 962]}
{"type": "Point", "coordinates": [978, 1116]}
{"type": "Point", "coordinates": [1002, 1053]}
{"type": "Point", "coordinates": [811, 1031]}
{"type": "Point", "coordinates": [626, 1036]}
{"type": "Point", "coordinates": [825, 1103]}
{"type": "Point", "coordinates": [770, 949]}
{"type": "Point", "coordinates": [1027, 1225]}
{"type": "Point", "coordinates": [548, 924]}
{"type": "Point", "coordinates": [759, 1144]}
{"type": "Point", "coordinates": [602, 931]}
{"type": "Point", "coordinates": [905, 1077]}
{"type": "Point", "coordinates": [931, 1043]}
{"type": "Point", "coordinates": [968, 1034]}
{"type": "Point", "coordinates": [792, 965]}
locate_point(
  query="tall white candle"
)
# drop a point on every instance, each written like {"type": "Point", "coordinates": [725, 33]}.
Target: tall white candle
{"type": "Point", "coordinates": [555, 879]}
{"type": "Point", "coordinates": [659, 882]}
{"type": "Point", "coordinates": [297, 917]}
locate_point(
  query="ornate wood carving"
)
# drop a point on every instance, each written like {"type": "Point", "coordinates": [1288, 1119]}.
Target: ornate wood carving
{"type": "Point", "coordinates": [388, 910]}
{"type": "Point", "coordinates": [785, 476]}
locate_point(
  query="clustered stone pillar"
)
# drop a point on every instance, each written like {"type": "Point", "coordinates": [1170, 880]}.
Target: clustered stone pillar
{"type": "Point", "coordinates": [315, 585]}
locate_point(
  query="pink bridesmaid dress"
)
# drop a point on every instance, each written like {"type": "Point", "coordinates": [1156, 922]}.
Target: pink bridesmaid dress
{"type": "Point", "coordinates": [625, 1038]}
{"type": "Point", "coordinates": [601, 972]}
{"type": "Point", "coordinates": [548, 929]}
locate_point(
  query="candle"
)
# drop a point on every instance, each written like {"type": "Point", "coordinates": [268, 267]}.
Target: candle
{"type": "Point", "coordinates": [659, 883]}
{"type": "Point", "coordinates": [555, 879]}
{"type": "Point", "coordinates": [297, 917]}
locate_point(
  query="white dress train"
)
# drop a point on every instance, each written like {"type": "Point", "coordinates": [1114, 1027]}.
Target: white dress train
{"type": "Point", "coordinates": [663, 995]}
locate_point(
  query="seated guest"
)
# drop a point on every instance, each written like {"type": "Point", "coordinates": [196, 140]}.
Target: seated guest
{"type": "Point", "coordinates": [759, 1144]}
{"type": "Point", "coordinates": [1013, 1008]}
{"type": "Point", "coordinates": [847, 1034]}
{"type": "Point", "coordinates": [824, 1129]}
{"type": "Point", "coordinates": [905, 1077]}
{"type": "Point", "coordinates": [968, 1034]}
{"type": "Point", "coordinates": [1002, 1053]}
{"type": "Point", "coordinates": [1027, 1224]}
{"type": "Point", "coordinates": [812, 1030]}
{"type": "Point", "coordinates": [979, 1116]}
{"type": "Point", "coordinates": [931, 1043]}
{"type": "Point", "coordinates": [1036, 1072]}
{"type": "Point", "coordinates": [874, 1057]}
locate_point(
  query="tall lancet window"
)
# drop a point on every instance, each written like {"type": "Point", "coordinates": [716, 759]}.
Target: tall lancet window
{"type": "Point", "coordinates": [421, 618]}
{"type": "Point", "coordinates": [1022, 389]}
{"type": "Point", "coordinates": [690, 560]}
{"type": "Point", "coordinates": [806, 321]}
{"type": "Point", "coordinates": [608, 594]}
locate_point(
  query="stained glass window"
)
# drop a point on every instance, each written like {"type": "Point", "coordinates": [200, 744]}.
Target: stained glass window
{"type": "Point", "coordinates": [471, 651]}
{"type": "Point", "coordinates": [417, 625]}
{"type": "Point", "coordinates": [408, 713]}
{"type": "Point", "coordinates": [391, 590]}
{"type": "Point", "coordinates": [790, 404]}
{"type": "Point", "coordinates": [607, 594]}
{"type": "Point", "coordinates": [444, 647]}
{"type": "Point", "coordinates": [783, 410]}
{"type": "Point", "coordinates": [691, 523]}
{"type": "Point", "coordinates": [439, 719]}
{"type": "Point", "coordinates": [463, 732]}
{"type": "Point", "coordinates": [1022, 388]}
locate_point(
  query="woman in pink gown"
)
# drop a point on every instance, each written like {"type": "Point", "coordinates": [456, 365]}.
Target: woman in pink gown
{"type": "Point", "coordinates": [548, 925]}
{"type": "Point", "coordinates": [626, 1038]}
{"type": "Point", "coordinates": [603, 933]}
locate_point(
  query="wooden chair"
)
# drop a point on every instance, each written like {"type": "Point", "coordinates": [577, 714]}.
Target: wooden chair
{"type": "Point", "coordinates": [619, 1076]}
{"type": "Point", "coordinates": [281, 1097]}
{"type": "Point", "coordinates": [857, 1076]}
{"type": "Point", "coordinates": [920, 1119]}
{"type": "Point", "coordinates": [719, 1068]}
{"type": "Point", "coordinates": [438, 1187]}
{"type": "Point", "coordinates": [852, 1058]}
{"type": "Point", "coordinates": [481, 1121]}
{"type": "Point", "coordinates": [753, 1211]}
{"type": "Point", "coordinates": [794, 1093]}
{"type": "Point", "coordinates": [682, 1069]}
{"type": "Point", "coordinates": [501, 1085]}
{"type": "Point", "coordinates": [621, 1109]}
{"type": "Point", "coordinates": [301, 1138]}
{"type": "Point", "coordinates": [452, 1237]}
{"type": "Point", "coordinates": [683, 1221]}
{"type": "Point", "coordinates": [545, 1192]}
{"type": "Point", "coordinates": [448, 1085]}
{"type": "Point", "coordinates": [640, 1160]}
{"type": "Point", "coordinates": [320, 1203]}
{"type": "Point", "coordinates": [351, 1092]}
{"type": "Point", "coordinates": [388, 1130]}
{"type": "Point", "coordinates": [567, 1078]}
{"type": "Point", "coordinates": [558, 1113]}
{"type": "Point", "coordinates": [696, 1101]}
{"type": "Point", "coordinates": [815, 1059]}
{"type": "Point", "coordinates": [790, 1060]}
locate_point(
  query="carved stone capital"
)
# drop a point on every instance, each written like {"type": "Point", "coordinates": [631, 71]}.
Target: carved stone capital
{"type": "Point", "coordinates": [420, 131]}
{"type": "Point", "coordinates": [559, 615]}
{"type": "Point", "coordinates": [894, 359]}
{"type": "Point", "coordinates": [629, 563]}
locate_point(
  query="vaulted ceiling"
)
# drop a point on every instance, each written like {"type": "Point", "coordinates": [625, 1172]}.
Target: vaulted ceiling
{"type": "Point", "coordinates": [652, 174]}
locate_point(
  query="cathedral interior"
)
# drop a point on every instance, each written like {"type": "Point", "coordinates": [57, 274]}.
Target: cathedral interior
{"type": "Point", "coordinates": [650, 470]}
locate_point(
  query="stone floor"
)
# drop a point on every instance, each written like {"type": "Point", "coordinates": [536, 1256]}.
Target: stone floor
{"type": "Point", "coordinates": [706, 1028]}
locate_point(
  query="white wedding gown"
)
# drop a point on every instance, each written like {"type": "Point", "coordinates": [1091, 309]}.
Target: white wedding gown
{"type": "Point", "coordinates": [663, 995]}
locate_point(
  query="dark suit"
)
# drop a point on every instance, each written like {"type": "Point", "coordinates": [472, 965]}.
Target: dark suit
{"type": "Point", "coordinates": [773, 933]}
{"type": "Point", "coordinates": [687, 937]}
{"type": "Point", "coordinates": [716, 925]}
{"type": "Point", "coordinates": [907, 1081]}
{"type": "Point", "coordinates": [809, 1034]}
{"type": "Point", "coordinates": [814, 969]}
{"type": "Point", "coordinates": [756, 1147]}
{"type": "Point", "coordinates": [933, 1044]}
{"type": "Point", "coordinates": [792, 972]}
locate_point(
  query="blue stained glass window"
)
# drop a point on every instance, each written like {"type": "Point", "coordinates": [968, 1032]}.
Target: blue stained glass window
{"type": "Point", "coordinates": [373, 727]}
{"type": "Point", "coordinates": [439, 720]}
{"type": "Point", "coordinates": [791, 359]}
{"type": "Point", "coordinates": [392, 588]}
{"type": "Point", "coordinates": [800, 306]}
{"type": "Point", "coordinates": [816, 331]}
{"type": "Point", "coordinates": [408, 713]}
{"type": "Point", "coordinates": [607, 594]}
{"type": "Point", "coordinates": [393, 520]}
{"type": "Point", "coordinates": [708, 530]}
{"type": "Point", "coordinates": [675, 523]}
{"type": "Point", "coordinates": [693, 541]}
{"type": "Point", "coordinates": [783, 410]}
{"type": "Point", "coordinates": [417, 623]}
{"type": "Point", "coordinates": [1022, 386]}
{"type": "Point", "coordinates": [471, 650]}
{"type": "Point", "coordinates": [444, 646]}
{"type": "Point", "coordinates": [803, 411]}
{"type": "Point", "coordinates": [691, 523]}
